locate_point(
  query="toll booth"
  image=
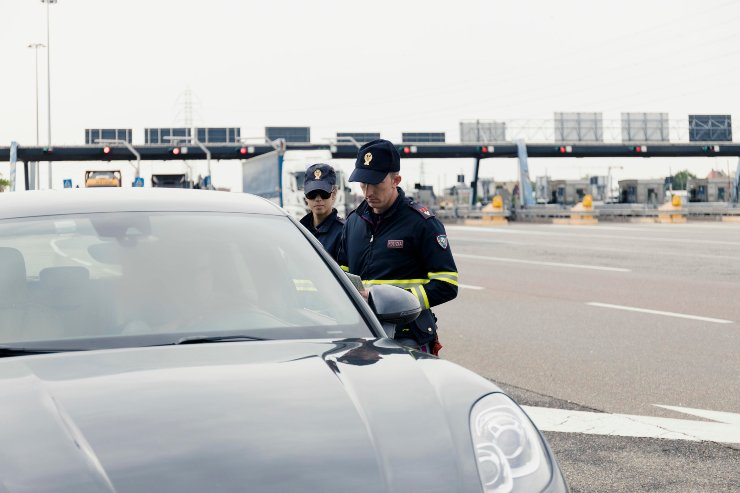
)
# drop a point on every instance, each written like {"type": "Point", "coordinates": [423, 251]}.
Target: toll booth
{"type": "Point", "coordinates": [641, 192]}
{"type": "Point", "coordinates": [715, 189]}
{"type": "Point", "coordinates": [567, 192]}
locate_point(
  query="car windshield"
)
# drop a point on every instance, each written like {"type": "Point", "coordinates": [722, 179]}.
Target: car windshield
{"type": "Point", "coordinates": [135, 278]}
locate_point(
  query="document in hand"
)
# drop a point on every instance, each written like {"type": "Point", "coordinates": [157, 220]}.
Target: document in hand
{"type": "Point", "coordinates": [356, 280]}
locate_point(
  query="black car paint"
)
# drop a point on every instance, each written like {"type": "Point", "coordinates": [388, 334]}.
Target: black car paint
{"type": "Point", "coordinates": [353, 415]}
{"type": "Point", "coordinates": [244, 416]}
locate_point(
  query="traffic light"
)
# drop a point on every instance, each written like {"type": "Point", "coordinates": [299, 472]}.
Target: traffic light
{"type": "Point", "coordinates": [47, 150]}
{"type": "Point", "coordinates": [639, 149]}
{"type": "Point", "coordinates": [711, 149]}
{"type": "Point", "coordinates": [485, 149]}
{"type": "Point", "coordinates": [243, 151]}
{"type": "Point", "coordinates": [106, 150]}
{"type": "Point", "coordinates": [407, 149]}
{"type": "Point", "coordinates": [175, 151]}
{"type": "Point", "coordinates": [564, 149]}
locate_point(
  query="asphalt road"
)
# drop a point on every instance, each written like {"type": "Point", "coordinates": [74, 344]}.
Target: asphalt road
{"type": "Point", "coordinates": [613, 318]}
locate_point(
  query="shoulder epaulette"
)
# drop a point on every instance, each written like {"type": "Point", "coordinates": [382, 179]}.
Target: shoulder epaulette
{"type": "Point", "coordinates": [425, 212]}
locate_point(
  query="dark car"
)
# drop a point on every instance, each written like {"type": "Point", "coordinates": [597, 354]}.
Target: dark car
{"type": "Point", "coordinates": [183, 341]}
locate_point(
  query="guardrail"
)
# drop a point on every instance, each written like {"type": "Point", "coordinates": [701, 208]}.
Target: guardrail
{"type": "Point", "coordinates": [607, 212]}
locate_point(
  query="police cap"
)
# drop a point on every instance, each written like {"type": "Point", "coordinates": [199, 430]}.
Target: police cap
{"type": "Point", "coordinates": [319, 176]}
{"type": "Point", "coordinates": [374, 161]}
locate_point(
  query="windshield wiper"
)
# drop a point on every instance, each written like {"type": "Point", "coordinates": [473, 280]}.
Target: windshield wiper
{"type": "Point", "coordinates": [208, 339]}
{"type": "Point", "coordinates": [7, 351]}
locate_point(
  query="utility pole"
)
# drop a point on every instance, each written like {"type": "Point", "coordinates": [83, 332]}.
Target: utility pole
{"type": "Point", "coordinates": [48, 80]}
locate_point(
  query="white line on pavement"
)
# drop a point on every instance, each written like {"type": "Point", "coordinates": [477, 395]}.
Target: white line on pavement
{"type": "Point", "coordinates": [468, 286]}
{"type": "Point", "coordinates": [581, 248]}
{"type": "Point", "coordinates": [657, 312]}
{"type": "Point", "coordinates": [536, 262]}
{"type": "Point", "coordinates": [581, 234]}
{"type": "Point", "coordinates": [626, 425]}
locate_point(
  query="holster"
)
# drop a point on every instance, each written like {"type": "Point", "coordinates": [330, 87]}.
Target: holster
{"type": "Point", "coordinates": [424, 328]}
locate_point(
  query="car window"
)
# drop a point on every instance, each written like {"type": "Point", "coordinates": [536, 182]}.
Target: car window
{"type": "Point", "coordinates": [133, 276]}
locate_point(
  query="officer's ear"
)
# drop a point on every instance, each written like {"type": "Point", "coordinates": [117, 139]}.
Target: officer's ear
{"type": "Point", "coordinates": [396, 179]}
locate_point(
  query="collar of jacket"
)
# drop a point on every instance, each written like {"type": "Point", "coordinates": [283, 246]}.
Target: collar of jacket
{"type": "Point", "coordinates": [323, 226]}
{"type": "Point", "coordinates": [368, 212]}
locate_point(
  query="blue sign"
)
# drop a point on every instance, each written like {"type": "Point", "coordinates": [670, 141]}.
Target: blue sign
{"type": "Point", "coordinates": [67, 183]}
{"type": "Point", "coordinates": [138, 181]}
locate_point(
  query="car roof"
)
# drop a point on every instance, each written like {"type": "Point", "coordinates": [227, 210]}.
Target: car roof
{"type": "Point", "coordinates": [84, 200]}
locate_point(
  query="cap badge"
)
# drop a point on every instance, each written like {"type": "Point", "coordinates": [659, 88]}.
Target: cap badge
{"type": "Point", "coordinates": [317, 174]}
{"type": "Point", "coordinates": [368, 158]}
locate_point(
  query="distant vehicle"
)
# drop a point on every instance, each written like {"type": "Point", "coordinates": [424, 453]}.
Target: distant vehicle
{"type": "Point", "coordinates": [280, 179]}
{"type": "Point", "coordinates": [171, 181]}
{"type": "Point", "coordinates": [103, 178]}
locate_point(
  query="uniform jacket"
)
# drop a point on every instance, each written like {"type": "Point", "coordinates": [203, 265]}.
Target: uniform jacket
{"type": "Point", "coordinates": [407, 247]}
{"type": "Point", "coordinates": [329, 232]}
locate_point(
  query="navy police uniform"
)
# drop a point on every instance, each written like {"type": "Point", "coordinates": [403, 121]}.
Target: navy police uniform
{"type": "Point", "coordinates": [328, 232]}
{"type": "Point", "coordinates": [322, 177]}
{"type": "Point", "coordinates": [405, 246]}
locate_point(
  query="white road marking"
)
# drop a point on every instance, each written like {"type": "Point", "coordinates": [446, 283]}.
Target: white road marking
{"type": "Point", "coordinates": [569, 246]}
{"type": "Point", "coordinates": [576, 233]}
{"type": "Point", "coordinates": [658, 312]}
{"type": "Point", "coordinates": [468, 286]}
{"type": "Point", "coordinates": [536, 262]}
{"type": "Point", "coordinates": [727, 430]}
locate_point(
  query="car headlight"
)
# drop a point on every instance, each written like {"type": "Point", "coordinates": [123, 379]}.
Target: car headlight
{"type": "Point", "coordinates": [510, 453]}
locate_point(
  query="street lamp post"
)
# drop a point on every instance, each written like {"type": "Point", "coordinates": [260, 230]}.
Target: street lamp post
{"type": "Point", "coordinates": [36, 47]}
{"type": "Point", "coordinates": [35, 165]}
{"type": "Point", "coordinates": [48, 81]}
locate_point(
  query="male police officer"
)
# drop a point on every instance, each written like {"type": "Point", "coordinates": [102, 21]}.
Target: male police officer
{"type": "Point", "coordinates": [319, 186]}
{"type": "Point", "coordinates": [390, 239]}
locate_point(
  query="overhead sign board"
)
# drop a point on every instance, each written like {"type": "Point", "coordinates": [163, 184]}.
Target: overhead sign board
{"type": "Point", "coordinates": [579, 127]}
{"type": "Point", "coordinates": [483, 131]}
{"type": "Point", "coordinates": [645, 127]}
{"type": "Point", "coordinates": [710, 128]}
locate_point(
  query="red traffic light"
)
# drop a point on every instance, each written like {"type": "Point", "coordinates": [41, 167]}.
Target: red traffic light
{"type": "Point", "coordinates": [406, 150]}
{"type": "Point", "coordinates": [106, 150]}
{"type": "Point", "coordinates": [176, 151]}
{"type": "Point", "coordinates": [242, 150]}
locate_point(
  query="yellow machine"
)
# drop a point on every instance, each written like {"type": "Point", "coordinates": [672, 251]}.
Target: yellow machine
{"type": "Point", "coordinates": [103, 178]}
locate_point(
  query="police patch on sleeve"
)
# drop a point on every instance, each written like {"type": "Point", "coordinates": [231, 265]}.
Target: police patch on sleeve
{"type": "Point", "coordinates": [442, 240]}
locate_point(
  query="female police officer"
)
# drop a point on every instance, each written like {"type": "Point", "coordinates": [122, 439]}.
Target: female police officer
{"type": "Point", "coordinates": [319, 187]}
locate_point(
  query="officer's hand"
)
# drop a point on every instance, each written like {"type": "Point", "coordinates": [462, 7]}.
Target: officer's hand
{"type": "Point", "coordinates": [365, 293]}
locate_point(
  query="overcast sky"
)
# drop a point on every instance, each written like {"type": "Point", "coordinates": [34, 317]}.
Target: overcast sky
{"type": "Point", "coordinates": [384, 66]}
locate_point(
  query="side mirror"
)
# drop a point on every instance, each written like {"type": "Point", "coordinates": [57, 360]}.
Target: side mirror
{"type": "Point", "coordinates": [393, 306]}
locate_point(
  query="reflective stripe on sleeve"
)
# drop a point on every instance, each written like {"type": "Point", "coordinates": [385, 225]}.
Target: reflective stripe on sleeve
{"type": "Point", "coordinates": [450, 277]}
{"type": "Point", "coordinates": [402, 283]}
{"type": "Point", "coordinates": [344, 268]}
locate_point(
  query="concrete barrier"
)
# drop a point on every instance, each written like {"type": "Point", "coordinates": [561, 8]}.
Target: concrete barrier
{"type": "Point", "coordinates": [582, 213]}
{"type": "Point", "coordinates": [492, 214]}
{"type": "Point", "coordinates": [672, 212]}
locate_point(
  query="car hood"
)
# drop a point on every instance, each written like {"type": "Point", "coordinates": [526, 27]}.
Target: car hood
{"type": "Point", "coordinates": [254, 416]}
